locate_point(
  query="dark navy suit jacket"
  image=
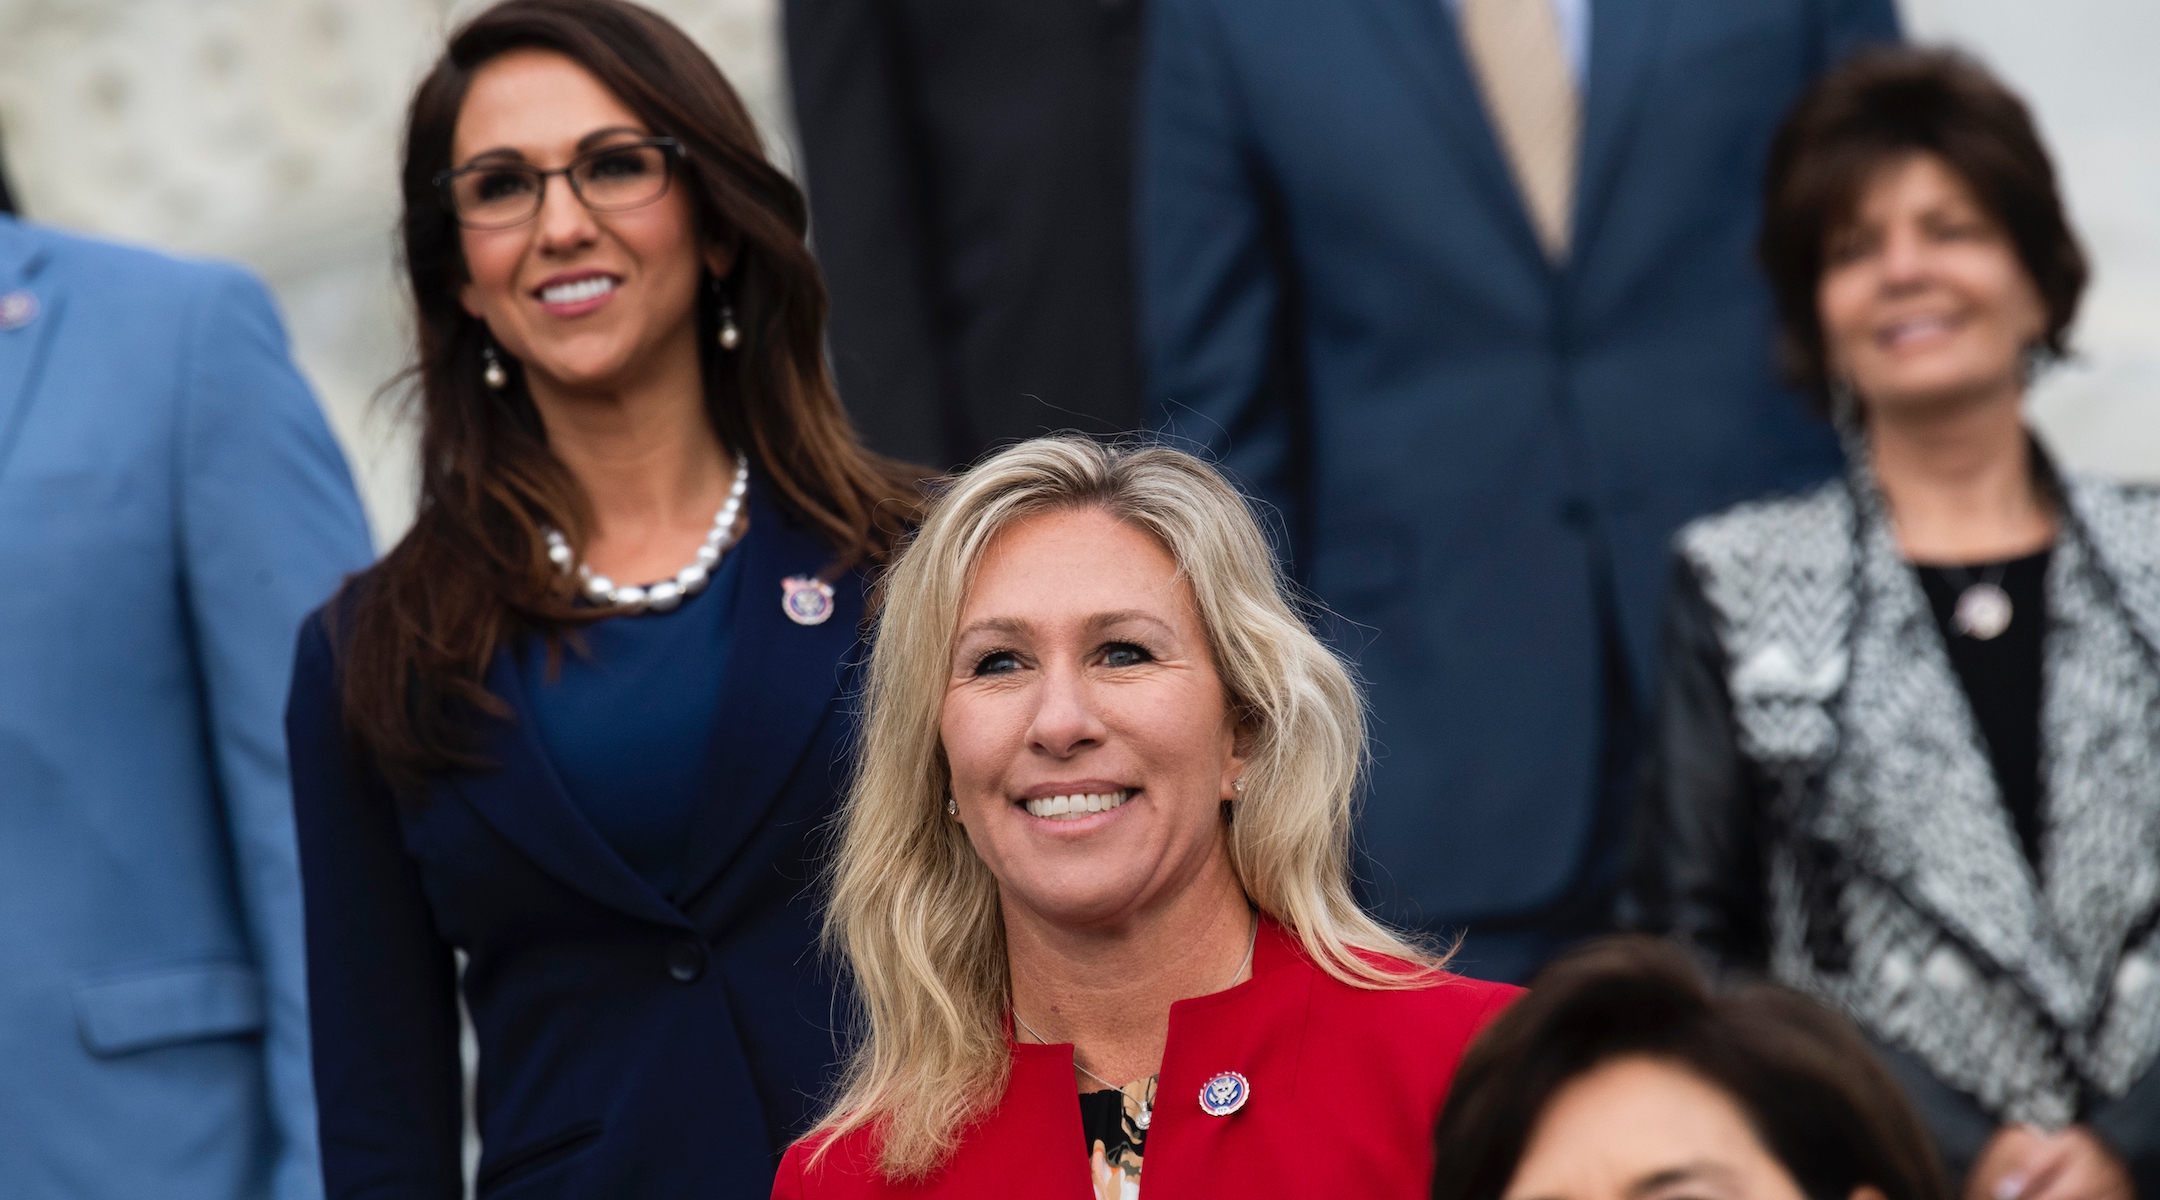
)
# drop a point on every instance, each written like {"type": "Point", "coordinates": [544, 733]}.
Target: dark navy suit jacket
{"type": "Point", "coordinates": [628, 1046]}
{"type": "Point", "coordinates": [1478, 457]}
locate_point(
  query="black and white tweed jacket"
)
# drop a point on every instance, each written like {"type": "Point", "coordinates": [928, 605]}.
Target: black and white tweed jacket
{"type": "Point", "coordinates": [1822, 806]}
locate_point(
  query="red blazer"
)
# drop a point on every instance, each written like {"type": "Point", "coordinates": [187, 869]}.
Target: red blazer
{"type": "Point", "coordinates": [1345, 1087]}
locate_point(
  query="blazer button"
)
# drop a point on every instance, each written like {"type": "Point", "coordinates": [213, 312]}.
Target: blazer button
{"type": "Point", "coordinates": [686, 961]}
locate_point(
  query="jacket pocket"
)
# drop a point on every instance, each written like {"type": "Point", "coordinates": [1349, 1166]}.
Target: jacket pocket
{"type": "Point", "coordinates": [533, 1156]}
{"type": "Point", "coordinates": [141, 1009]}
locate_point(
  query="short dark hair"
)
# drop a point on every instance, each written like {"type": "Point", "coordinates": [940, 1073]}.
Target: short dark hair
{"type": "Point", "coordinates": [1882, 105]}
{"type": "Point", "coordinates": [1804, 1077]}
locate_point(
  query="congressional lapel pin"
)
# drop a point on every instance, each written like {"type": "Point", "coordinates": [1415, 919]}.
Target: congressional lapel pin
{"type": "Point", "coordinates": [806, 599]}
{"type": "Point", "coordinates": [17, 309]}
{"type": "Point", "coordinates": [1224, 1094]}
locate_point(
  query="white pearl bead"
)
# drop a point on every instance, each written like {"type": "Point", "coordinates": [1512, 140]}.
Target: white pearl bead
{"type": "Point", "coordinates": [668, 593]}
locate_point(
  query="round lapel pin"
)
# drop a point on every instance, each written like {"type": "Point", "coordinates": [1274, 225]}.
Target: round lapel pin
{"type": "Point", "coordinates": [1224, 1094]}
{"type": "Point", "coordinates": [17, 309]}
{"type": "Point", "coordinates": [806, 599]}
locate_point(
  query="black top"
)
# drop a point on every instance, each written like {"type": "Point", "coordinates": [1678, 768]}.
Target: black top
{"type": "Point", "coordinates": [1110, 1120]}
{"type": "Point", "coordinates": [2001, 678]}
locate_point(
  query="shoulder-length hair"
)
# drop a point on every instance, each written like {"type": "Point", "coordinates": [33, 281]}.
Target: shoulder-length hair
{"type": "Point", "coordinates": [1879, 107]}
{"type": "Point", "coordinates": [913, 909]}
{"type": "Point", "coordinates": [1805, 1080]}
{"type": "Point", "coordinates": [473, 571]}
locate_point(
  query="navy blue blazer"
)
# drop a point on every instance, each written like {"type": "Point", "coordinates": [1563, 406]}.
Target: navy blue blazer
{"type": "Point", "coordinates": [628, 1046]}
{"type": "Point", "coordinates": [1475, 454]}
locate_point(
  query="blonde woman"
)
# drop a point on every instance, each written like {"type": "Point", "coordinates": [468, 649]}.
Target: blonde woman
{"type": "Point", "coordinates": [1093, 878]}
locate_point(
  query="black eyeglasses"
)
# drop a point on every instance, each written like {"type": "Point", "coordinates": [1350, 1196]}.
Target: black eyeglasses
{"type": "Point", "coordinates": [498, 195]}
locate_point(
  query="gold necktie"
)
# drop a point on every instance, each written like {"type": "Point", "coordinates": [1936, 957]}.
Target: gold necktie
{"type": "Point", "coordinates": [1530, 95]}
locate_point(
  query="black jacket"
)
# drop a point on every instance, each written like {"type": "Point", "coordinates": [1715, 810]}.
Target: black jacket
{"type": "Point", "coordinates": [969, 170]}
{"type": "Point", "coordinates": [1816, 807]}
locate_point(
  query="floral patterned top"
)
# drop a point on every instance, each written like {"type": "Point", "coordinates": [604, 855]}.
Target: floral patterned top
{"type": "Point", "coordinates": [1111, 1122]}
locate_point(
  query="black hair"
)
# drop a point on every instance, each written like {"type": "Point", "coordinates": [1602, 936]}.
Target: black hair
{"type": "Point", "coordinates": [1803, 1076]}
{"type": "Point", "coordinates": [1881, 106]}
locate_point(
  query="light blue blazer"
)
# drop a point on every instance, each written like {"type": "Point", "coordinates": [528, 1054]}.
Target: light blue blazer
{"type": "Point", "coordinates": [171, 505]}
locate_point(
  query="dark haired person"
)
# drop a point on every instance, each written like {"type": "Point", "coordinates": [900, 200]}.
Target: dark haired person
{"type": "Point", "coordinates": [1910, 732]}
{"type": "Point", "coordinates": [584, 721]}
{"type": "Point", "coordinates": [1622, 1077]}
{"type": "Point", "coordinates": [172, 504]}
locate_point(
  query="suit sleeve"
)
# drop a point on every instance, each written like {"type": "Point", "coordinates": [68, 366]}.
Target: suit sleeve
{"type": "Point", "coordinates": [1214, 273]}
{"type": "Point", "coordinates": [382, 983]}
{"type": "Point", "coordinates": [1696, 869]}
{"type": "Point", "coordinates": [268, 523]}
{"type": "Point", "coordinates": [871, 226]}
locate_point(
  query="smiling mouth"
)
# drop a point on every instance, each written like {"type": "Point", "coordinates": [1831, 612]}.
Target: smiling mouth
{"type": "Point", "coordinates": [1915, 328]}
{"type": "Point", "coordinates": [1076, 806]}
{"type": "Point", "coordinates": [592, 287]}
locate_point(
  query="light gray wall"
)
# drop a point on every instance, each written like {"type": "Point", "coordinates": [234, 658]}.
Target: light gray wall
{"type": "Point", "coordinates": [266, 131]}
{"type": "Point", "coordinates": [2086, 67]}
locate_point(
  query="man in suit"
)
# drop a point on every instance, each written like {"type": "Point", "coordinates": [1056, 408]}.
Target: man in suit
{"type": "Point", "coordinates": [1464, 290]}
{"type": "Point", "coordinates": [171, 505]}
{"type": "Point", "coordinates": [969, 169]}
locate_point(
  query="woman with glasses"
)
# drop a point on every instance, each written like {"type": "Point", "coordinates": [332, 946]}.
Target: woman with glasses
{"type": "Point", "coordinates": [580, 726]}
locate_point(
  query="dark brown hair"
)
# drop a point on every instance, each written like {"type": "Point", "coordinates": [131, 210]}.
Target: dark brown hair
{"type": "Point", "coordinates": [1803, 1076]}
{"type": "Point", "coordinates": [473, 571]}
{"type": "Point", "coordinates": [1881, 106]}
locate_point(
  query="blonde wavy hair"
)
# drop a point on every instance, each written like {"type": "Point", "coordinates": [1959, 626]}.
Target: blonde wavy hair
{"type": "Point", "coordinates": [915, 912]}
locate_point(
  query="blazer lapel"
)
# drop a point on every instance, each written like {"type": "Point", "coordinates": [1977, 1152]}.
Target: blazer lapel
{"type": "Point", "coordinates": [1915, 792]}
{"type": "Point", "coordinates": [23, 348]}
{"type": "Point", "coordinates": [1427, 48]}
{"type": "Point", "coordinates": [782, 678]}
{"type": "Point", "coordinates": [1624, 42]}
{"type": "Point", "coordinates": [525, 801]}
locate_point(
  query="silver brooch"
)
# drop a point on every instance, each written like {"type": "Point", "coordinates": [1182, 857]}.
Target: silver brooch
{"type": "Point", "coordinates": [806, 599]}
{"type": "Point", "coordinates": [17, 309]}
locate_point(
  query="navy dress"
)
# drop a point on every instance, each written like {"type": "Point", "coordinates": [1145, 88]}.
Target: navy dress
{"type": "Point", "coordinates": [631, 881]}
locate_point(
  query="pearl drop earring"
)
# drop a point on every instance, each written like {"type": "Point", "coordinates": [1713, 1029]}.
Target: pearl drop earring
{"type": "Point", "coordinates": [493, 374]}
{"type": "Point", "coordinates": [730, 336]}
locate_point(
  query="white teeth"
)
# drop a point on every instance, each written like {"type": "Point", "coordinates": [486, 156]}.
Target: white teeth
{"type": "Point", "coordinates": [1072, 808]}
{"type": "Point", "coordinates": [573, 293]}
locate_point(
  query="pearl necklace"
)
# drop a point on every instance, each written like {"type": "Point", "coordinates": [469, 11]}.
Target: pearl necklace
{"type": "Point", "coordinates": [667, 593]}
{"type": "Point", "coordinates": [1147, 1108]}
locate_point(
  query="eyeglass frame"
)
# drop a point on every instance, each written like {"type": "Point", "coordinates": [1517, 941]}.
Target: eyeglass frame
{"type": "Point", "coordinates": [448, 176]}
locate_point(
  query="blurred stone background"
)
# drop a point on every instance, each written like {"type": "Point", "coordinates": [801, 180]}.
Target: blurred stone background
{"type": "Point", "coordinates": [266, 131]}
